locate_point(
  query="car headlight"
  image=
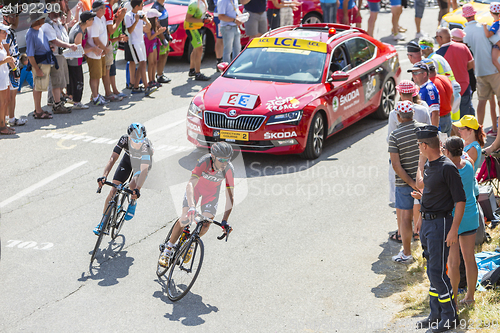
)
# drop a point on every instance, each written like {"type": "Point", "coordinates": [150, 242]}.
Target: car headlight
{"type": "Point", "coordinates": [289, 117]}
{"type": "Point", "coordinates": [173, 28]}
{"type": "Point", "coordinates": [444, 23]}
{"type": "Point", "coordinates": [194, 110]}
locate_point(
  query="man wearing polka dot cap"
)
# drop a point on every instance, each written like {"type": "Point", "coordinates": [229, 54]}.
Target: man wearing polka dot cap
{"type": "Point", "coordinates": [403, 148]}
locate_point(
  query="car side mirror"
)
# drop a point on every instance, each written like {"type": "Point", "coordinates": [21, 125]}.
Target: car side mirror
{"type": "Point", "coordinates": [338, 76]}
{"type": "Point", "coordinates": [222, 66]}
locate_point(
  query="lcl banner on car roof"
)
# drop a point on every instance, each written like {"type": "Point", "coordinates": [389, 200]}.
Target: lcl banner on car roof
{"type": "Point", "coordinates": [289, 43]}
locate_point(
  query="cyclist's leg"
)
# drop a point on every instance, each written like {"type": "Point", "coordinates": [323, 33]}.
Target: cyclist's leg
{"type": "Point", "coordinates": [183, 220]}
{"type": "Point", "coordinates": [133, 203]}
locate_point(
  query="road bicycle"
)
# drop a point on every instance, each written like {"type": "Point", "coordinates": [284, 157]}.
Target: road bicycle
{"type": "Point", "coordinates": [184, 264]}
{"type": "Point", "coordinates": [113, 219]}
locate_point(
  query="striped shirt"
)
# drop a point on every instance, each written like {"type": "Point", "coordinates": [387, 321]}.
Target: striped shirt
{"type": "Point", "coordinates": [403, 141]}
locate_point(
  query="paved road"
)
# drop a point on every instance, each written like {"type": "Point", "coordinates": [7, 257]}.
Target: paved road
{"type": "Point", "coordinates": [309, 251]}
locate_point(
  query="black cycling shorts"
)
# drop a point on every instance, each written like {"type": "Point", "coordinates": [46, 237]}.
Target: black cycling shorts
{"type": "Point", "coordinates": [208, 203]}
{"type": "Point", "coordinates": [123, 170]}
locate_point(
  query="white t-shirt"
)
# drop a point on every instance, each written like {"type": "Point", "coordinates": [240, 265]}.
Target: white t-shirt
{"type": "Point", "coordinates": [136, 37]}
{"type": "Point", "coordinates": [98, 29]}
{"type": "Point", "coordinates": [55, 30]}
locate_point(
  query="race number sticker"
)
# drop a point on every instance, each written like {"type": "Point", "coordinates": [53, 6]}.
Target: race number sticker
{"type": "Point", "coordinates": [245, 101]}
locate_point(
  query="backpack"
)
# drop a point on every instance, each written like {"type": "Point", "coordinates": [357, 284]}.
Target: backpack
{"type": "Point", "coordinates": [490, 279]}
{"type": "Point", "coordinates": [488, 264]}
{"type": "Point", "coordinates": [481, 234]}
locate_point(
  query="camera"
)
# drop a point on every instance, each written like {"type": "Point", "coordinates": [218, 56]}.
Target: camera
{"type": "Point", "coordinates": [141, 14]}
{"type": "Point", "coordinates": [16, 73]}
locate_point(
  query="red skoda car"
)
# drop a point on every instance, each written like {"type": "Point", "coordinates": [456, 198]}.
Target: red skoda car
{"type": "Point", "coordinates": [289, 90]}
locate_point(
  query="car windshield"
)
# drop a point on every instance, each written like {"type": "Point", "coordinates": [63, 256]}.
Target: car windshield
{"type": "Point", "coordinates": [278, 64]}
{"type": "Point", "coordinates": [178, 2]}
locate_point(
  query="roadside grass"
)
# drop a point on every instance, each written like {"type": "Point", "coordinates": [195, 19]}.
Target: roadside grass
{"type": "Point", "coordinates": [483, 316]}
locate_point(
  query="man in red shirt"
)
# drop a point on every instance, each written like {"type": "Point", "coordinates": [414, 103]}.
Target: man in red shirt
{"type": "Point", "coordinates": [445, 89]}
{"type": "Point", "coordinates": [461, 61]}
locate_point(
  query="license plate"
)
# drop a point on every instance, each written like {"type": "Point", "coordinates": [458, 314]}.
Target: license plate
{"type": "Point", "coordinates": [240, 136]}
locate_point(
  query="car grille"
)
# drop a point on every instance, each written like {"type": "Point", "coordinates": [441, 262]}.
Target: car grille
{"type": "Point", "coordinates": [221, 121]}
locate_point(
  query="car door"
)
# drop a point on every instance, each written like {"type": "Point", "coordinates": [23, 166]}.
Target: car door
{"type": "Point", "coordinates": [363, 58]}
{"type": "Point", "coordinates": [342, 98]}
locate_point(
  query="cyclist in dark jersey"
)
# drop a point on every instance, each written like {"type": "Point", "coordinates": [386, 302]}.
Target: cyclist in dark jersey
{"type": "Point", "coordinates": [137, 162]}
{"type": "Point", "coordinates": [205, 182]}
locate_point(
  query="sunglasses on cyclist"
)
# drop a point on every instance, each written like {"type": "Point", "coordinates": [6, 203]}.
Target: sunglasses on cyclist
{"type": "Point", "coordinates": [222, 160]}
{"type": "Point", "coordinates": [138, 140]}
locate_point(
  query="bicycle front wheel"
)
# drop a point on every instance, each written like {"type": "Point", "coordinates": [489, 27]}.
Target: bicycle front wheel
{"type": "Point", "coordinates": [120, 215]}
{"type": "Point", "coordinates": [185, 269]}
{"type": "Point", "coordinates": [104, 226]}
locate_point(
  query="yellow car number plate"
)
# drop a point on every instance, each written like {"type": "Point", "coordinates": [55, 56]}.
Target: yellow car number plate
{"type": "Point", "coordinates": [241, 136]}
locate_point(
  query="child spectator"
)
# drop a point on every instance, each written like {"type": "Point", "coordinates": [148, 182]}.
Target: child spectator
{"type": "Point", "coordinates": [25, 74]}
{"type": "Point", "coordinates": [495, 12]}
{"type": "Point", "coordinates": [153, 43]}
{"type": "Point", "coordinates": [134, 22]}
{"type": "Point", "coordinates": [117, 36]}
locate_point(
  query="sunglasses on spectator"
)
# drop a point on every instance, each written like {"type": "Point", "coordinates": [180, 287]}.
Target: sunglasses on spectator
{"type": "Point", "coordinates": [417, 73]}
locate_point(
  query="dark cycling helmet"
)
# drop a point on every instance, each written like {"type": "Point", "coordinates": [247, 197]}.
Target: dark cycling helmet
{"type": "Point", "coordinates": [6, 11]}
{"type": "Point", "coordinates": [136, 131]}
{"type": "Point", "coordinates": [222, 149]}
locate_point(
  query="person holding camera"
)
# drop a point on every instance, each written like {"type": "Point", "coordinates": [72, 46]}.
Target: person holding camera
{"type": "Point", "coordinates": [11, 19]}
{"type": "Point", "coordinates": [135, 21]}
{"type": "Point", "coordinates": [196, 17]}
{"type": "Point", "coordinates": [165, 38]}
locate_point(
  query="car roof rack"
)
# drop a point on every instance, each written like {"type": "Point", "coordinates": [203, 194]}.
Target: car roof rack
{"type": "Point", "coordinates": [341, 34]}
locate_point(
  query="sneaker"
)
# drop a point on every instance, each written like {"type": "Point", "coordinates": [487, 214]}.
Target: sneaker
{"type": "Point", "coordinates": [419, 35]}
{"type": "Point", "coordinates": [80, 106]}
{"type": "Point", "coordinates": [399, 36]}
{"type": "Point", "coordinates": [130, 212]}
{"type": "Point", "coordinates": [201, 77]}
{"type": "Point", "coordinates": [156, 84]}
{"type": "Point", "coordinates": [122, 95]}
{"type": "Point", "coordinates": [401, 29]}
{"type": "Point", "coordinates": [191, 72]}
{"type": "Point", "coordinates": [163, 79]}
{"type": "Point", "coordinates": [18, 122]}
{"type": "Point", "coordinates": [165, 257]}
{"type": "Point", "coordinates": [113, 98]}
{"type": "Point", "coordinates": [137, 90]}
{"type": "Point", "coordinates": [97, 229]}
{"type": "Point", "coordinates": [103, 100]}
{"type": "Point", "coordinates": [59, 108]}
{"type": "Point", "coordinates": [491, 133]}
{"type": "Point", "coordinates": [99, 101]}
{"type": "Point", "coordinates": [216, 65]}
{"type": "Point", "coordinates": [401, 258]}
{"type": "Point", "coordinates": [150, 90]}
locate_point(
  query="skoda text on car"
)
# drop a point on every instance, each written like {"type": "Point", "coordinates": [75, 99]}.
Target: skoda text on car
{"type": "Point", "coordinates": [455, 19]}
{"type": "Point", "coordinates": [289, 90]}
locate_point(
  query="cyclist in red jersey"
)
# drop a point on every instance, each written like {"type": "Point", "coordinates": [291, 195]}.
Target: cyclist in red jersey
{"type": "Point", "coordinates": [205, 182]}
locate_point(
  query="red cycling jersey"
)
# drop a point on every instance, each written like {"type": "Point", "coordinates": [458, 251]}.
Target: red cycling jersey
{"type": "Point", "coordinates": [209, 179]}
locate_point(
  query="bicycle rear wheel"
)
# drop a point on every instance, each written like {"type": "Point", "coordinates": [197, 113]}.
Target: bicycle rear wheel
{"type": "Point", "coordinates": [119, 216]}
{"type": "Point", "coordinates": [160, 270]}
{"type": "Point", "coordinates": [104, 225]}
{"type": "Point", "coordinates": [185, 270]}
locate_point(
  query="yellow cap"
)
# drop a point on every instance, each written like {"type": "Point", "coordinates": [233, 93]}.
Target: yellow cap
{"type": "Point", "coordinates": [467, 121]}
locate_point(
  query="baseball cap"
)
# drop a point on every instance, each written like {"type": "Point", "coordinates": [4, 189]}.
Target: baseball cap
{"type": "Point", "coordinates": [404, 107]}
{"type": "Point", "coordinates": [457, 34]}
{"type": "Point", "coordinates": [407, 87]}
{"type": "Point", "coordinates": [99, 3]}
{"type": "Point", "coordinates": [153, 13]}
{"type": "Point", "coordinates": [87, 15]}
{"type": "Point", "coordinates": [4, 27]}
{"type": "Point", "coordinates": [467, 121]}
{"type": "Point", "coordinates": [412, 47]}
{"type": "Point", "coordinates": [426, 132]}
{"type": "Point", "coordinates": [418, 66]}
{"type": "Point", "coordinates": [430, 63]}
{"type": "Point", "coordinates": [468, 10]}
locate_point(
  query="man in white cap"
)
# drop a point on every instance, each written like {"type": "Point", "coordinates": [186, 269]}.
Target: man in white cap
{"type": "Point", "coordinates": [403, 148]}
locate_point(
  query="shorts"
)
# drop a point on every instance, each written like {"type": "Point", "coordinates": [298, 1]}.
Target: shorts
{"type": "Point", "coordinates": [128, 53]}
{"type": "Point", "coordinates": [443, 4]}
{"type": "Point", "coordinates": [208, 202]}
{"type": "Point", "coordinates": [404, 200]}
{"type": "Point", "coordinates": [419, 8]}
{"type": "Point", "coordinates": [97, 68]}
{"type": "Point", "coordinates": [395, 3]}
{"type": "Point", "coordinates": [468, 233]}
{"type": "Point", "coordinates": [112, 69]}
{"type": "Point", "coordinates": [42, 83]}
{"type": "Point", "coordinates": [256, 24]}
{"type": "Point", "coordinates": [124, 170]}
{"type": "Point", "coordinates": [109, 56]}
{"type": "Point", "coordinates": [351, 13]}
{"type": "Point", "coordinates": [488, 85]}
{"type": "Point", "coordinates": [374, 6]}
{"type": "Point", "coordinates": [14, 83]}
{"type": "Point", "coordinates": [59, 78]}
{"type": "Point", "coordinates": [163, 49]}
{"type": "Point", "coordinates": [138, 52]}
{"type": "Point", "coordinates": [217, 27]}
{"type": "Point", "coordinates": [195, 36]}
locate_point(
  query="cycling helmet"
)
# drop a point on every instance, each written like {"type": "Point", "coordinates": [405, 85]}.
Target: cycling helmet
{"type": "Point", "coordinates": [6, 11]}
{"type": "Point", "coordinates": [137, 132]}
{"type": "Point", "coordinates": [221, 149]}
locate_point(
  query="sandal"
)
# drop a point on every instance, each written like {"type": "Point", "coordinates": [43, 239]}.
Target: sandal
{"type": "Point", "coordinates": [7, 131]}
{"type": "Point", "coordinates": [416, 236]}
{"type": "Point", "coordinates": [395, 236]}
{"type": "Point", "coordinates": [466, 302]}
{"type": "Point", "coordinates": [43, 115]}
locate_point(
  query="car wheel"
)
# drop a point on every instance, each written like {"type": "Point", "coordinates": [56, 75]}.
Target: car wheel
{"type": "Point", "coordinates": [190, 46]}
{"type": "Point", "coordinates": [312, 18]}
{"type": "Point", "coordinates": [315, 138]}
{"type": "Point", "coordinates": [387, 101]}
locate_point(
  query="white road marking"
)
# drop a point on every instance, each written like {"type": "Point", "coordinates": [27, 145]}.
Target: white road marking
{"type": "Point", "coordinates": [166, 127]}
{"type": "Point", "coordinates": [41, 183]}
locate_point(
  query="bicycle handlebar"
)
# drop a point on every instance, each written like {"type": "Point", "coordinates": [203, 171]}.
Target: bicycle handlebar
{"type": "Point", "coordinates": [119, 187]}
{"type": "Point", "coordinates": [200, 218]}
